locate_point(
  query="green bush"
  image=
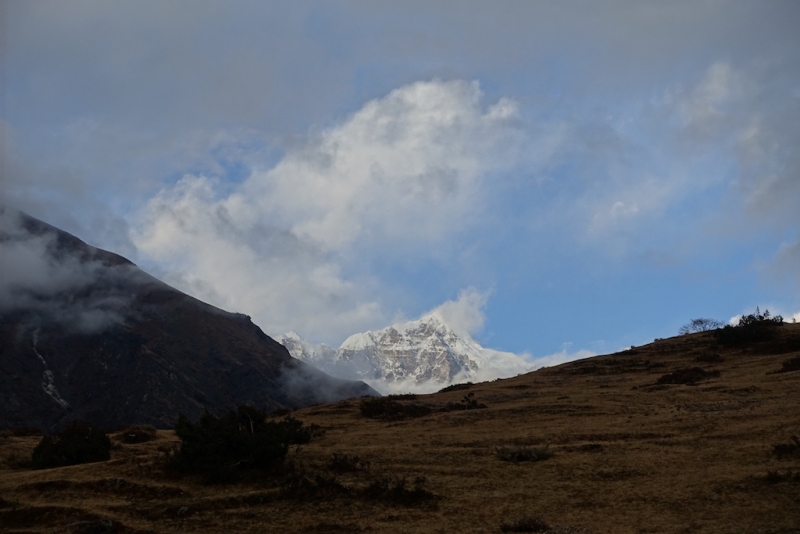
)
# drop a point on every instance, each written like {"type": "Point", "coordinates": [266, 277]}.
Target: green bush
{"type": "Point", "coordinates": [220, 449]}
{"type": "Point", "coordinates": [79, 443]}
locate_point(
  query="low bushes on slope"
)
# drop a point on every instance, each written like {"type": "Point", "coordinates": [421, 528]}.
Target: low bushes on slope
{"type": "Point", "coordinates": [689, 376]}
{"type": "Point", "coordinates": [79, 443]}
{"type": "Point", "coordinates": [341, 462]}
{"type": "Point", "coordinates": [792, 364]}
{"type": "Point", "coordinates": [467, 402]}
{"type": "Point", "coordinates": [137, 434]}
{"type": "Point", "coordinates": [392, 408]}
{"type": "Point", "coordinates": [787, 450]}
{"type": "Point", "coordinates": [456, 387]}
{"type": "Point", "coordinates": [523, 453]}
{"type": "Point", "coordinates": [396, 407]}
{"type": "Point", "coordinates": [528, 523]}
{"type": "Point", "coordinates": [220, 449]}
{"type": "Point", "coordinates": [751, 328]}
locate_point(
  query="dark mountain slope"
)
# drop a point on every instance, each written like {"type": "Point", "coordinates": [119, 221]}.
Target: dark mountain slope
{"type": "Point", "coordinates": [84, 333]}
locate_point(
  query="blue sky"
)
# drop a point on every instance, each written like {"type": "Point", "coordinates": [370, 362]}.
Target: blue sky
{"type": "Point", "coordinates": [590, 175]}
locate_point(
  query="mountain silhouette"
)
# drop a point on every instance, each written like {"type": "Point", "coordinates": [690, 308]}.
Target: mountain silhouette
{"type": "Point", "coordinates": [86, 334]}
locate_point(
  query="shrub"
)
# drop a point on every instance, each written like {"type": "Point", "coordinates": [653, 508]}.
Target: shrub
{"type": "Point", "coordinates": [523, 453]}
{"type": "Point", "coordinates": [392, 489]}
{"type": "Point", "coordinates": [79, 443]}
{"type": "Point", "coordinates": [20, 432]}
{"type": "Point", "coordinates": [528, 523]}
{"type": "Point", "coordinates": [471, 403]}
{"type": "Point", "coordinates": [702, 324]}
{"type": "Point", "coordinates": [787, 450]}
{"type": "Point", "coordinates": [710, 358]}
{"type": "Point", "coordinates": [468, 402]}
{"type": "Point", "coordinates": [17, 460]}
{"type": "Point", "coordinates": [792, 364]}
{"type": "Point", "coordinates": [751, 328]}
{"type": "Point", "coordinates": [219, 449]}
{"type": "Point", "coordinates": [347, 463]}
{"type": "Point", "coordinates": [302, 488]}
{"type": "Point", "coordinates": [137, 434]}
{"type": "Point", "coordinates": [456, 387]}
{"type": "Point", "coordinates": [392, 409]}
{"type": "Point", "coordinates": [775, 476]}
{"type": "Point", "coordinates": [689, 376]}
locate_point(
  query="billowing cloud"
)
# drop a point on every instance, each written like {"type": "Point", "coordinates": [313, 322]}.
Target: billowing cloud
{"type": "Point", "coordinates": [409, 167]}
{"type": "Point", "coordinates": [397, 178]}
{"type": "Point", "coordinates": [466, 313]}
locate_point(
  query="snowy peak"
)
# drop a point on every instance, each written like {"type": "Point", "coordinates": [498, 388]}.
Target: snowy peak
{"type": "Point", "coordinates": [305, 351]}
{"type": "Point", "coordinates": [421, 355]}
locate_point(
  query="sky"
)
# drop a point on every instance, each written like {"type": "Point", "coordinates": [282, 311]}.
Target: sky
{"type": "Point", "coordinates": [569, 178]}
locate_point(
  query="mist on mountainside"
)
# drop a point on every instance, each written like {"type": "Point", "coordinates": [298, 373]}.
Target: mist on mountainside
{"type": "Point", "coordinates": [85, 334]}
{"type": "Point", "coordinates": [52, 277]}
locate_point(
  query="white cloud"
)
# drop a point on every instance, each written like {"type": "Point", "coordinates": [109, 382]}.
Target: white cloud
{"type": "Point", "coordinates": [704, 108]}
{"type": "Point", "coordinates": [562, 356]}
{"type": "Point", "coordinates": [397, 178]}
{"type": "Point", "coordinates": [407, 168]}
{"type": "Point", "coordinates": [465, 314]}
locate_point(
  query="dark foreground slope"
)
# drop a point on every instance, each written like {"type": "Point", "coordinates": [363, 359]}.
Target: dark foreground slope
{"type": "Point", "coordinates": [630, 455]}
{"type": "Point", "coordinates": [86, 334]}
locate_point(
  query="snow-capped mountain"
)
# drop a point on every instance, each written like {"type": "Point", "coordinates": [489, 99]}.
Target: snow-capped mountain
{"type": "Point", "coordinates": [305, 351]}
{"type": "Point", "coordinates": [422, 355]}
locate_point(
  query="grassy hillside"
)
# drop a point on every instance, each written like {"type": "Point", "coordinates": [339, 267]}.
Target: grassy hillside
{"type": "Point", "coordinates": [597, 445]}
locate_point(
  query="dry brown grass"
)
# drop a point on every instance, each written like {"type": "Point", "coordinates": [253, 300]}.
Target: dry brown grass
{"type": "Point", "coordinates": [629, 456]}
